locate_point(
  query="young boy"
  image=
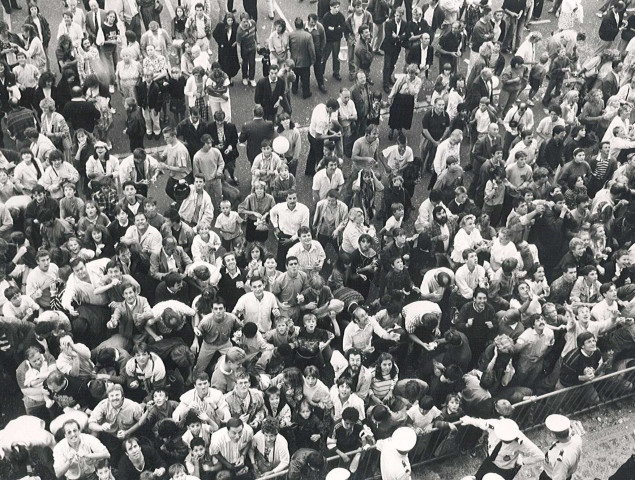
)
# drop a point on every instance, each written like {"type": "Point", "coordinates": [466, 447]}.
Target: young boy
{"type": "Point", "coordinates": [251, 340]}
{"type": "Point", "coordinates": [111, 284]}
{"type": "Point", "coordinates": [199, 462]}
{"type": "Point", "coordinates": [19, 306]}
{"type": "Point", "coordinates": [178, 472]}
{"type": "Point", "coordinates": [155, 219]}
{"type": "Point", "coordinates": [537, 75]}
{"type": "Point", "coordinates": [283, 182]}
{"type": "Point", "coordinates": [196, 429]}
{"type": "Point", "coordinates": [557, 71]}
{"type": "Point", "coordinates": [228, 224]}
{"type": "Point", "coordinates": [284, 333]}
{"type": "Point", "coordinates": [26, 76]}
{"type": "Point", "coordinates": [346, 437]}
{"type": "Point", "coordinates": [159, 408]}
{"type": "Point", "coordinates": [176, 89]}
{"type": "Point", "coordinates": [395, 221]}
{"type": "Point", "coordinates": [70, 205]}
{"type": "Point", "coordinates": [312, 342]}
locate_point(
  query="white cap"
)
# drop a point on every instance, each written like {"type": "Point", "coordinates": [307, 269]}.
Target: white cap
{"type": "Point", "coordinates": [557, 423]}
{"type": "Point", "coordinates": [506, 429]}
{"type": "Point", "coordinates": [338, 474]}
{"type": "Point", "coordinates": [404, 439]}
{"type": "Point", "coordinates": [280, 145]}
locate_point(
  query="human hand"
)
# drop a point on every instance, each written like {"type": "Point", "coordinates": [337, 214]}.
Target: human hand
{"type": "Point", "coordinates": [315, 437]}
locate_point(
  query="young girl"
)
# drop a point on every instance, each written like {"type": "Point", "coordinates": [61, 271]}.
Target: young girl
{"type": "Point", "coordinates": [575, 187]}
{"type": "Point", "coordinates": [98, 240]}
{"type": "Point", "coordinates": [271, 272]}
{"type": "Point", "coordinates": [91, 216]}
{"type": "Point", "coordinates": [494, 195]}
{"type": "Point", "coordinates": [178, 27]}
{"type": "Point", "coordinates": [277, 407]}
{"type": "Point", "coordinates": [364, 188]}
{"type": "Point", "coordinates": [255, 256]}
{"type": "Point", "coordinates": [316, 393]}
{"type": "Point", "coordinates": [228, 224]}
{"type": "Point", "coordinates": [446, 437]}
{"type": "Point", "coordinates": [310, 431]}
{"type": "Point", "coordinates": [384, 379]}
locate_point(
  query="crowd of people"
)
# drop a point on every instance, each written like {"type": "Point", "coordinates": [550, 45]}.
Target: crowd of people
{"type": "Point", "coordinates": [195, 331]}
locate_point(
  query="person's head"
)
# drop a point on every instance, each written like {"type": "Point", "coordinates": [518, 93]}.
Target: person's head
{"type": "Point", "coordinates": [587, 342]}
{"type": "Point", "coordinates": [234, 358]}
{"type": "Point", "coordinates": [344, 386]}
{"type": "Point", "coordinates": [334, 6]}
{"type": "Point", "coordinates": [609, 291]}
{"type": "Point", "coordinates": [517, 62]}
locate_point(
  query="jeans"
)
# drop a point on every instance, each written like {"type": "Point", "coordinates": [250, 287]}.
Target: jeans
{"type": "Point", "coordinates": [249, 64]}
{"type": "Point", "coordinates": [148, 15]}
{"type": "Point", "coordinates": [332, 48]}
{"type": "Point", "coordinates": [390, 60]}
{"type": "Point", "coordinates": [151, 117]}
{"type": "Point", "coordinates": [318, 69]}
{"type": "Point", "coordinates": [109, 57]}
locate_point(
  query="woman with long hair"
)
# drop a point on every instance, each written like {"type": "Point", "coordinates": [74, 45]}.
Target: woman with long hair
{"type": "Point", "coordinates": [33, 48]}
{"type": "Point", "coordinates": [46, 89]}
{"type": "Point", "coordinates": [278, 42]}
{"type": "Point", "coordinates": [98, 240]}
{"type": "Point", "coordinates": [364, 190]}
{"type": "Point", "coordinates": [41, 25]}
{"type": "Point", "coordinates": [102, 164]}
{"type": "Point", "coordinates": [88, 61]}
{"type": "Point", "coordinates": [83, 148]}
{"type": "Point", "coordinates": [225, 36]}
{"type": "Point", "coordinates": [108, 49]}
{"type": "Point", "coordinates": [91, 216]}
{"type": "Point", "coordinates": [570, 107]}
{"type": "Point", "coordinates": [287, 129]}
{"type": "Point", "coordinates": [384, 379]}
{"type": "Point", "coordinates": [65, 54]}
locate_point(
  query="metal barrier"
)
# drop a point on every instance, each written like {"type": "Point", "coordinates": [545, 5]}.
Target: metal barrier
{"type": "Point", "coordinates": [529, 414]}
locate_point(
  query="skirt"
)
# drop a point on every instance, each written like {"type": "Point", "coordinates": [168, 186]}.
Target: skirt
{"type": "Point", "coordinates": [401, 112]}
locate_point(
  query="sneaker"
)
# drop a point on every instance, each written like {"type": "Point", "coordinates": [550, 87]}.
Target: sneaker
{"type": "Point", "coordinates": [322, 88]}
{"type": "Point", "coordinates": [530, 103]}
{"type": "Point", "coordinates": [111, 89]}
{"type": "Point", "coordinates": [252, 83]}
{"type": "Point", "coordinates": [337, 77]}
{"type": "Point", "coordinates": [599, 14]}
{"type": "Point", "coordinates": [245, 82]}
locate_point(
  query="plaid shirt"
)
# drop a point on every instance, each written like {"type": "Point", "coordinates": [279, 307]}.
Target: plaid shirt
{"type": "Point", "coordinates": [434, 230]}
{"type": "Point", "coordinates": [106, 200]}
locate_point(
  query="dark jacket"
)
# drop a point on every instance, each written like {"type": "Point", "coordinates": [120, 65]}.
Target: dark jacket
{"type": "Point", "coordinates": [191, 135]}
{"type": "Point", "coordinates": [609, 28]}
{"type": "Point", "coordinates": [475, 91]}
{"type": "Point", "coordinates": [135, 124]}
{"type": "Point", "coordinates": [379, 9]}
{"type": "Point", "coordinates": [231, 138]}
{"type": "Point", "coordinates": [254, 132]}
{"type": "Point", "coordinates": [414, 56]}
{"type": "Point", "coordinates": [335, 22]}
{"type": "Point", "coordinates": [46, 30]}
{"type": "Point", "coordinates": [81, 114]}
{"type": "Point", "coordinates": [149, 96]}
{"type": "Point", "coordinates": [392, 45]}
{"type": "Point", "coordinates": [301, 48]}
{"type": "Point", "coordinates": [267, 98]}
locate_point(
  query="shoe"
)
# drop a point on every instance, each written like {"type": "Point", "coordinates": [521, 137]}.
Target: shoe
{"type": "Point", "coordinates": [245, 82]}
{"type": "Point", "coordinates": [351, 76]}
{"type": "Point", "coordinates": [157, 136]}
{"type": "Point", "coordinates": [337, 77]}
{"type": "Point", "coordinates": [386, 89]}
{"type": "Point", "coordinates": [231, 84]}
{"type": "Point", "coordinates": [271, 17]}
{"type": "Point", "coordinates": [150, 135]}
{"type": "Point", "coordinates": [550, 11]}
{"type": "Point", "coordinates": [307, 95]}
{"type": "Point", "coordinates": [111, 89]}
{"type": "Point", "coordinates": [530, 103]}
{"type": "Point", "coordinates": [252, 83]}
{"type": "Point", "coordinates": [322, 88]}
{"type": "Point", "coordinates": [378, 52]}
{"type": "Point", "coordinates": [113, 111]}
{"type": "Point", "coordinates": [599, 14]}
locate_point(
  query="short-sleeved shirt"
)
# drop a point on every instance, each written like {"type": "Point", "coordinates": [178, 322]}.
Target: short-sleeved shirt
{"type": "Point", "coordinates": [435, 124]}
{"type": "Point", "coordinates": [217, 333]}
{"type": "Point", "coordinates": [230, 450]}
{"type": "Point", "coordinates": [122, 418]}
{"type": "Point", "coordinates": [347, 440]}
{"type": "Point", "coordinates": [395, 160]}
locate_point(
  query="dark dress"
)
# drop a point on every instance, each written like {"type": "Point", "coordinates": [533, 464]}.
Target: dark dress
{"type": "Point", "coordinates": [227, 49]}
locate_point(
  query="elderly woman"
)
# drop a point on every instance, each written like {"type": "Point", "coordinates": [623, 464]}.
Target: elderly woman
{"type": "Point", "coordinates": [128, 74]}
{"type": "Point", "coordinates": [269, 452]}
{"type": "Point", "coordinates": [255, 209]}
{"type": "Point", "coordinates": [403, 95]}
{"type": "Point", "coordinates": [468, 237]}
{"type": "Point", "coordinates": [54, 126]}
{"type": "Point", "coordinates": [354, 229]}
{"type": "Point", "coordinates": [513, 80]}
{"type": "Point", "coordinates": [278, 42]}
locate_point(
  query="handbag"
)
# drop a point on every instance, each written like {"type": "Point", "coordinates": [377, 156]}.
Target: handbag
{"type": "Point", "coordinates": [100, 39]}
{"type": "Point", "coordinates": [508, 374]}
{"type": "Point", "coordinates": [158, 7]}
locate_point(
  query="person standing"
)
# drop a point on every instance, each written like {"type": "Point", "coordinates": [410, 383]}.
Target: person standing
{"type": "Point", "coordinates": [394, 462]}
{"type": "Point", "coordinates": [177, 160]}
{"type": "Point", "coordinates": [320, 129]}
{"type": "Point", "coordinates": [270, 92]}
{"type": "Point", "coordinates": [302, 51]}
{"type": "Point", "coordinates": [563, 456]}
{"type": "Point", "coordinates": [135, 124]}
{"type": "Point", "coordinates": [334, 26]}
{"type": "Point", "coordinates": [287, 218]}
{"type": "Point", "coordinates": [254, 132]}
{"type": "Point", "coordinates": [610, 26]}
{"type": "Point", "coordinates": [396, 35]}
{"type": "Point", "coordinates": [247, 38]}
{"type": "Point", "coordinates": [209, 163]}
{"type": "Point", "coordinates": [316, 29]}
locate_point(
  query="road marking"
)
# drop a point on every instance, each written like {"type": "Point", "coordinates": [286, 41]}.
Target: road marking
{"type": "Point", "coordinates": [278, 10]}
{"type": "Point", "coordinates": [540, 22]}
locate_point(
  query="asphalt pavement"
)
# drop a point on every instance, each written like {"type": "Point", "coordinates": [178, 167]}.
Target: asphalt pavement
{"type": "Point", "coordinates": [242, 96]}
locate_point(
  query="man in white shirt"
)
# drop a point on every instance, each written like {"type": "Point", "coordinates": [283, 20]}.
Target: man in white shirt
{"type": "Point", "coordinates": [326, 179]}
{"type": "Point", "coordinates": [347, 114]}
{"type": "Point", "coordinates": [257, 306]}
{"type": "Point", "coordinates": [320, 129]}
{"type": "Point", "coordinates": [309, 252]}
{"type": "Point", "coordinates": [469, 275]}
{"type": "Point", "coordinates": [41, 278]}
{"type": "Point", "coordinates": [359, 333]}
{"type": "Point", "coordinates": [608, 308]}
{"type": "Point", "coordinates": [229, 445]}
{"type": "Point", "coordinates": [143, 234]}
{"type": "Point", "coordinates": [76, 455]}
{"type": "Point", "coordinates": [287, 218]}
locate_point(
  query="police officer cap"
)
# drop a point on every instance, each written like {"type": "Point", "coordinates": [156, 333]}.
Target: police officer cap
{"type": "Point", "coordinates": [507, 430]}
{"type": "Point", "coordinates": [404, 439]}
{"type": "Point", "coordinates": [557, 423]}
{"type": "Point", "coordinates": [338, 474]}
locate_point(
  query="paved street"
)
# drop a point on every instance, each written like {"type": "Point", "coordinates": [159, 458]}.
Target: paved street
{"type": "Point", "coordinates": [242, 97]}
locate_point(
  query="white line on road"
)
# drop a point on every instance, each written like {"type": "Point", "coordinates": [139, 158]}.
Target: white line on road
{"type": "Point", "coordinates": [281, 15]}
{"type": "Point", "coordinates": [540, 22]}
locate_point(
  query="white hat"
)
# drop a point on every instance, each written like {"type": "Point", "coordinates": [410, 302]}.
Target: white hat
{"type": "Point", "coordinates": [338, 474]}
{"type": "Point", "coordinates": [404, 439]}
{"type": "Point", "coordinates": [280, 145]}
{"type": "Point", "coordinates": [557, 423]}
{"type": "Point", "coordinates": [492, 476]}
{"type": "Point", "coordinates": [506, 429]}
